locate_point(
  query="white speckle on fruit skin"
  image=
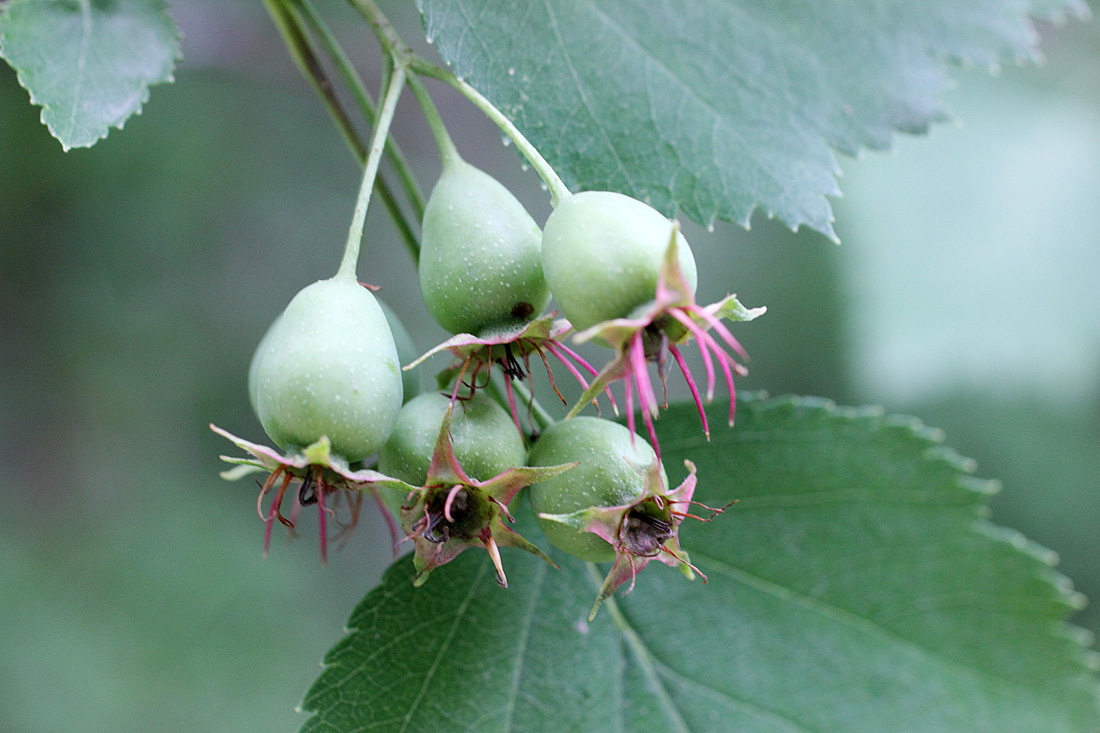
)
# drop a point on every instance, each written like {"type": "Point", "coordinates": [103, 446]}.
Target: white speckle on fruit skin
{"type": "Point", "coordinates": [581, 626]}
{"type": "Point", "coordinates": [328, 371]}
{"type": "Point", "coordinates": [475, 234]}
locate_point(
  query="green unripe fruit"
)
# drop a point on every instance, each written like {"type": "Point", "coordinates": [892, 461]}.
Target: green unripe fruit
{"type": "Point", "coordinates": [328, 367]}
{"type": "Point", "coordinates": [406, 352]}
{"type": "Point", "coordinates": [479, 253]}
{"type": "Point", "coordinates": [611, 471]}
{"type": "Point", "coordinates": [484, 438]}
{"type": "Point", "coordinates": [254, 366]}
{"type": "Point", "coordinates": [602, 252]}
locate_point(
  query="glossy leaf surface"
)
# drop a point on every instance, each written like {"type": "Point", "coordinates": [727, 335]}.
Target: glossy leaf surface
{"type": "Point", "coordinates": [716, 107]}
{"type": "Point", "coordinates": [854, 587]}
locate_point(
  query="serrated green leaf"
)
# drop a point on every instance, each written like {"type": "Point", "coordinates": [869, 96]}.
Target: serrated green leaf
{"type": "Point", "coordinates": [854, 587]}
{"type": "Point", "coordinates": [715, 107]}
{"type": "Point", "coordinates": [88, 63]}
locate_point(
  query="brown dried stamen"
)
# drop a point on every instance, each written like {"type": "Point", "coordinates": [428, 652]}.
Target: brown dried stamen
{"type": "Point", "coordinates": [442, 514]}
{"type": "Point", "coordinates": [642, 534]}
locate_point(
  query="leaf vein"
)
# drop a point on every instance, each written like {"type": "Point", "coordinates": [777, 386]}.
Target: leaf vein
{"type": "Point", "coordinates": [81, 59]}
{"type": "Point", "coordinates": [843, 616]}
{"type": "Point", "coordinates": [762, 712]}
{"type": "Point", "coordinates": [521, 652]}
{"type": "Point", "coordinates": [584, 96]}
{"type": "Point", "coordinates": [443, 647]}
{"type": "Point", "coordinates": [641, 653]}
{"type": "Point", "coordinates": [745, 146]}
{"type": "Point", "coordinates": [930, 498]}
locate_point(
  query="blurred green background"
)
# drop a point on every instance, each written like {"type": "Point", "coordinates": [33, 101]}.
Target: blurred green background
{"type": "Point", "coordinates": [137, 277]}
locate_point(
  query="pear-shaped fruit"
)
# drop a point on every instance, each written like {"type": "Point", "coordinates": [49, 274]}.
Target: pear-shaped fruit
{"type": "Point", "coordinates": [328, 367]}
{"type": "Point", "coordinates": [602, 253]}
{"type": "Point", "coordinates": [612, 471]}
{"type": "Point", "coordinates": [479, 254]}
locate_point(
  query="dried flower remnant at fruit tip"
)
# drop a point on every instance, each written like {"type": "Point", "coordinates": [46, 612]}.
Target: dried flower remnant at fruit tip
{"type": "Point", "coordinates": [644, 530]}
{"type": "Point", "coordinates": [662, 326]}
{"type": "Point", "coordinates": [453, 512]}
{"type": "Point", "coordinates": [324, 479]}
{"type": "Point", "coordinates": [510, 349]}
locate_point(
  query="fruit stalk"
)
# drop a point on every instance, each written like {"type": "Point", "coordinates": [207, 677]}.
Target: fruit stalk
{"type": "Point", "coordinates": [363, 100]}
{"type": "Point", "coordinates": [288, 19]}
{"type": "Point", "coordinates": [542, 417]}
{"type": "Point", "coordinates": [558, 190]}
{"type": "Point", "coordinates": [447, 152]}
{"type": "Point", "coordinates": [389, 39]}
{"type": "Point", "coordinates": [393, 88]}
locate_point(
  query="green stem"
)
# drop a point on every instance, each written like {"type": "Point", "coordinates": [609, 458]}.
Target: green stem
{"type": "Point", "coordinates": [558, 190]}
{"type": "Point", "coordinates": [289, 24]}
{"type": "Point", "coordinates": [366, 104]}
{"type": "Point", "coordinates": [542, 417]}
{"type": "Point", "coordinates": [389, 39]}
{"type": "Point", "coordinates": [448, 154]}
{"type": "Point", "coordinates": [301, 50]}
{"type": "Point", "coordinates": [383, 29]}
{"type": "Point", "coordinates": [393, 85]}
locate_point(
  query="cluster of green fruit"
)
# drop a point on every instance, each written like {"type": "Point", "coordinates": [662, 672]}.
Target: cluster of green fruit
{"type": "Point", "coordinates": [326, 381]}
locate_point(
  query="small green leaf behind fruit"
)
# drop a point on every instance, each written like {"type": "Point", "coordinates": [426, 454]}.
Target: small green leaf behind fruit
{"type": "Point", "coordinates": [88, 63]}
{"type": "Point", "coordinates": [406, 352]}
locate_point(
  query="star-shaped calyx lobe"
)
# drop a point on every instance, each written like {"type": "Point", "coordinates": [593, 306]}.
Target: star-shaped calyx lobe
{"type": "Point", "coordinates": [660, 327]}
{"type": "Point", "coordinates": [510, 349]}
{"type": "Point", "coordinates": [643, 530]}
{"type": "Point", "coordinates": [323, 478]}
{"type": "Point", "coordinates": [452, 511]}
